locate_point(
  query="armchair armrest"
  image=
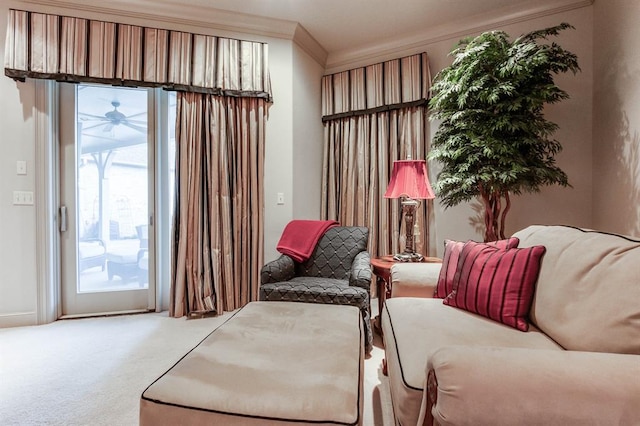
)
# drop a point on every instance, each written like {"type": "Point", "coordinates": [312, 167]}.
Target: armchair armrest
{"type": "Point", "coordinates": [361, 271]}
{"type": "Point", "coordinates": [414, 279]}
{"type": "Point", "coordinates": [516, 386]}
{"type": "Point", "coordinates": [281, 269]}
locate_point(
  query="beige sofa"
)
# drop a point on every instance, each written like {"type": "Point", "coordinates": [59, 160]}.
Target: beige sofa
{"type": "Point", "coordinates": [578, 364]}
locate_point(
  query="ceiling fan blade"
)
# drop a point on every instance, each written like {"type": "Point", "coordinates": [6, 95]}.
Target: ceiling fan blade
{"type": "Point", "coordinates": [91, 117]}
{"type": "Point", "coordinates": [144, 122]}
{"type": "Point", "coordinates": [137, 114]}
{"type": "Point", "coordinates": [134, 127]}
{"type": "Point", "coordinates": [93, 127]}
{"type": "Point", "coordinates": [98, 136]}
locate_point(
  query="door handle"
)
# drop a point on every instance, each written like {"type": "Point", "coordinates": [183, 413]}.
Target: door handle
{"type": "Point", "coordinates": [63, 218]}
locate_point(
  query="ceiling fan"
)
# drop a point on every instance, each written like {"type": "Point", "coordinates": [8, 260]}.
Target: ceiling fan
{"type": "Point", "coordinates": [114, 118]}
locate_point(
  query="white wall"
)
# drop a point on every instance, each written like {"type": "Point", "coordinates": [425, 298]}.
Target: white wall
{"type": "Point", "coordinates": [294, 154]}
{"type": "Point", "coordinates": [307, 135]}
{"type": "Point", "coordinates": [278, 173]}
{"type": "Point", "coordinates": [616, 124]}
{"type": "Point", "coordinates": [17, 223]}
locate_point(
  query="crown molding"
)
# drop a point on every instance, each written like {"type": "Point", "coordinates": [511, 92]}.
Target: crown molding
{"type": "Point", "coordinates": [170, 14]}
{"type": "Point", "coordinates": [234, 24]}
{"type": "Point", "coordinates": [222, 22]}
{"type": "Point", "coordinates": [407, 45]}
{"type": "Point", "coordinates": [305, 40]}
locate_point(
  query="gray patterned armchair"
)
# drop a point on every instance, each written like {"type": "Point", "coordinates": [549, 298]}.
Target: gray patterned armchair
{"type": "Point", "coordinates": [338, 272]}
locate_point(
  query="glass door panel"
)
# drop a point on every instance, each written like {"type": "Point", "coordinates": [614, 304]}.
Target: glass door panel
{"type": "Point", "coordinates": [105, 178]}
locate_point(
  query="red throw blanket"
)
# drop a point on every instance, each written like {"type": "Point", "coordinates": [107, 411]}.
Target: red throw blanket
{"type": "Point", "coordinates": [300, 237]}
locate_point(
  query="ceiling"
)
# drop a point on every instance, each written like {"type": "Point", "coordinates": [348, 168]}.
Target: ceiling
{"type": "Point", "coordinates": [338, 29]}
{"type": "Point", "coordinates": [342, 24]}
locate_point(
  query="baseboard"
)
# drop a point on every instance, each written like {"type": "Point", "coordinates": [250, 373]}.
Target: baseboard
{"type": "Point", "coordinates": [106, 314]}
{"type": "Point", "coordinates": [18, 319]}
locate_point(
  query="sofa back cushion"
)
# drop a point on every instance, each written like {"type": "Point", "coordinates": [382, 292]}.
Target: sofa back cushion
{"type": "Point", "coordinates": [588, 292]}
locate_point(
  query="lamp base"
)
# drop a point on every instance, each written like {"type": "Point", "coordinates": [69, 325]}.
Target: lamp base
{"type": "Point", "coordinates": [408, 257]}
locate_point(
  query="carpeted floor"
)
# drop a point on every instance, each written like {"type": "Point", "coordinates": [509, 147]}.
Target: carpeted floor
{"type": "Point", "coordinates": [92, 371]}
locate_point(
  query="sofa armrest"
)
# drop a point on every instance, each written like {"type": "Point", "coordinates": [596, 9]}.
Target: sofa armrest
{"type": "Point", "coordinates": [281, 269]}
{"type": "Point", "coordinates": [361, 271]}
{"type": "Point", "coordinates": [516, 386]}
{"type": "Point", "coordinates": [414, 279]}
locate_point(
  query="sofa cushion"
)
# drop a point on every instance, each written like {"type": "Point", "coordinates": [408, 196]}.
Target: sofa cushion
{"type": "Point", "coordinates": [495, 283]}
{"type": "Point", "coordinates": [414, 328]}
{"type": "Point", "coordinates": [588, 288]}
{"type": "Point", "coordinates": [500, 386]}
{"type": "Point", "coordinates": [450, 258]}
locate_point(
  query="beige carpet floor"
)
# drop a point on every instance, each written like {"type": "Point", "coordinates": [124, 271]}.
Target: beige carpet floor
{"type": "Point", "coordinates": [92, 371]}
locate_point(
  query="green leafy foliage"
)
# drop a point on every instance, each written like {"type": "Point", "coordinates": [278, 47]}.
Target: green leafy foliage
{"type": "Point", "coordinates": [493, 139]}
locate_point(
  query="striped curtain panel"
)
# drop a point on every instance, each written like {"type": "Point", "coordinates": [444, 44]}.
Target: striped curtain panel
{"type": "Point", "coordinates": [218, 226]}
{"type": "Point", "coordinates": [78, 50]}
{"type": "Point", "coordinates": [372, 116]}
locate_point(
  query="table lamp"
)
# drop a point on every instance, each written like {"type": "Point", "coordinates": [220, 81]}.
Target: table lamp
{"type": "Point", "coordinates": [409, 182]}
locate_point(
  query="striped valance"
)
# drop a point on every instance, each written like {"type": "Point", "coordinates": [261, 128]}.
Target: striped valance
{"type": "Point", "coordinates": [72, 49]}
{"type": "Point", "coordinates": [383, 86]}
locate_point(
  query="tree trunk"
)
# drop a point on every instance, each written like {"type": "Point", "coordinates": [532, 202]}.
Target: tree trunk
{"type": "Point", "coordinates": [503, 217]}
{"type": "Point", "coordinates": [494, 216]}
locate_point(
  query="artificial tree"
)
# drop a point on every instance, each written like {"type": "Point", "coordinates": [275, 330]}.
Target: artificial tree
{"type": "Point", "coordinates": [493, 139]}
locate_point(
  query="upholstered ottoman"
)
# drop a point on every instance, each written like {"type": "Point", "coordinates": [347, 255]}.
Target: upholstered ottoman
{"type": "Point", "coordinates": [271, 363]}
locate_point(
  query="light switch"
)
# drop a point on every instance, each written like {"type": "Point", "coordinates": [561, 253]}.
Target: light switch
{"type": "Point", "coordinates": [280, 198]}
{"type": "Point", "coordinates": [21, 167]}
{"type": "Point", "coordinates": [22, 198]}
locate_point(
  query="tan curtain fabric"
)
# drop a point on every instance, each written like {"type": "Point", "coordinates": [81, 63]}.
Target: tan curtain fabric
{"type": "Point", "coordinates": [84, 50]}
{"type": "Point", "coordinates": [383, 86]}
{"type": "Point", "coordinates": [373, 116]}
{"type": "Point", "coordinates": [218, 226]}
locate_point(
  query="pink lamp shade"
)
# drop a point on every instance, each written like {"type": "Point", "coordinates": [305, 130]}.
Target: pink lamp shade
{"type": "Point", "coordinates": [409, 179]}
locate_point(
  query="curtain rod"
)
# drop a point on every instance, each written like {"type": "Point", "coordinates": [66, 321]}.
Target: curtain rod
{"type": "Point", "coordinates": [368, 111]}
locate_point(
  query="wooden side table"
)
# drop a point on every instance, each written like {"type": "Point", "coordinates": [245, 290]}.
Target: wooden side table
{"type": "Point", "coordinates": [382, 270]}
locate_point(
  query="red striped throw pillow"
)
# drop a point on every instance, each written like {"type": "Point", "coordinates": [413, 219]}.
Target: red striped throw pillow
{"type": "Point", "coordinates": [450, 258]}
{"type": "Point", "coordinates": [497, 283]}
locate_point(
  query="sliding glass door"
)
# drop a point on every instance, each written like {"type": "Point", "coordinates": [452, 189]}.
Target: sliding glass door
{"type": "Point", "coordinates": [107, 171]}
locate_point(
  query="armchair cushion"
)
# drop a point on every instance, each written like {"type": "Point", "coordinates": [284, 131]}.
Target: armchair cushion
{"type": "Point", "coordinates": [318, 290]}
